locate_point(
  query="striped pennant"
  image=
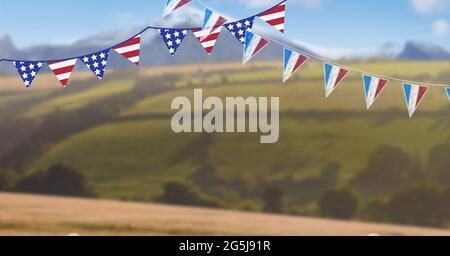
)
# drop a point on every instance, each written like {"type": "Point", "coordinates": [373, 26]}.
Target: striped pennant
{"type": "Point", "coordinates": [62, 70]}
{"type": "Point", "coordinates": [211, 22]}
{"type": "Point", "coordinates": [333, 78]}
{"type": "Point", "coordinates": [293, 61]}
{"type": "Point", "coordinates": [253, 45]}
{"type": "Point", "coordinates": [173, 5]}
{"type": "Point", "coordinates": [209, 41]}
{"type": "Point", "coordinates": [373, 86]}
{"type": "Point", "coordinates": [275, 16]}
{"type": "Point", "coordinates": [414, 95]}
{"type": "Point", "coordinates": [130, 49]}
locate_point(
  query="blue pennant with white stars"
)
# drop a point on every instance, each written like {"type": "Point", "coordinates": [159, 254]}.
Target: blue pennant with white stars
{"type": "Point", "coordinates": [28, 70]}
{"type": "Point", "coordinates": [239, 28]}
{"type": "Point", "coordinates": [96, 62]}
{"type": "Point", "coordinates": [173, 38]}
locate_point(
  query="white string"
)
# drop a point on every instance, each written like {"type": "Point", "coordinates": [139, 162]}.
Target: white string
{"type": "Point", "coordinates": [348, 67]}
{"type": "Point", "coordinates": [341, 65]}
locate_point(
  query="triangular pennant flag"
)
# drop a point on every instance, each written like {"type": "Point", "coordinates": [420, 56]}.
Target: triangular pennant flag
{"type": "Point", "coordinates": [173, 5]}
{"type": "Point", "coordinates": [448, 92]}
{"type": "Point", "coordinates": [130, 49]}
{"type": "Point", "coordinates": [239, 28]}
{"type": "Point", "coordinates": [173, 38]}
{"type": "Point", "coordinates": [275, 16]}
{"type": "Point", "coordinates": [253, 45]}
{"type": "Point", "coordinates": [333, 77]}
{"type": "Point", "coordinates": [293, 61]}
{"type": "Point", "coordinates": [208, 42]}
{"type": "Point", "coordinates": [373, 86]}
{"type": "Point", "coordinates": [96, 62]}
{"type": "Point", "coordinates": [28, 70]}
{"type": "Point", "coordinates": [414, 95]}
{"type": "Point", "coordinates": [211, 22]}
{"type": "Point", "coordinates": [62, 70]}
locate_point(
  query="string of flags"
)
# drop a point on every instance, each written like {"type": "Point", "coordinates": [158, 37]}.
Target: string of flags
{"type": "Point", "coordinates": [207, 35]}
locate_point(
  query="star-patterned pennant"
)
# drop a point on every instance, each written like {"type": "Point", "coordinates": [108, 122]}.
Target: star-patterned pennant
{"type": "Point", "coordinates": [96, 62]}
{"type": "Point", "coordinates": [239, 28]}
{"type": "Point", "coordinates": [173, 38]}
{"type": "Point", "coordinates": [28, 70]}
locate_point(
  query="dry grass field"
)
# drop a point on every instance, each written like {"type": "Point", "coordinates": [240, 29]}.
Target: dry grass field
{"type": "Point", "coordinates": [39, 215]}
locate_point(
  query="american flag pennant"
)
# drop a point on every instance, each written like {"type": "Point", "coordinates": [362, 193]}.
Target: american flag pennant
{"type": "Point", "coordinates": [211, 22]}
{"type": "Point", "coordinates": [173, 5]}
{"type": "Point", "coordinates": [253, 45]}
{"type": "Point", "coordinates": [447, 90]}
{"type": "Point", "coordinates": [62, 70]}
{"type": "Point", "coordinates": [333, 78]}
{"type": "Point", "coordinates": [209, 41]}
{"type": "Point", "coordinates": [373, 86]}
{"type": "Point", "coordinates": [173, 38]}
{"type": "Point", "coordinates": [275, 16]}
{"type": "Point", "coordinates": [239, 28]}
{"type": "Point", "coordinates": [28, 70]}
{"type": "Point", "coordinates": [414, 95]}
{"type": "Point", "coordinates": [293, 61]}
{"type": "Point", "coordinates": [130, 49]}
{"type": "Point", "coordinates": [96, 62]}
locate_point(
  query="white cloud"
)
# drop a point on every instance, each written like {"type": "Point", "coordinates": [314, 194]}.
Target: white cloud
{"type": "Point", "coordinates": [268, 3]}
{"type": "Point", "coordinates": [430, 6]}
{"type": "Point", "coordinates": [441, 28]}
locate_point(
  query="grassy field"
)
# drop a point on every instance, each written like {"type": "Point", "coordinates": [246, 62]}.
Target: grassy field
{"type": "Point", "coordinates": [122, 158]}
{"type": "Point", "coordinates": [131, 152]}
{"type": "Point", "coordinates": [38, 215]}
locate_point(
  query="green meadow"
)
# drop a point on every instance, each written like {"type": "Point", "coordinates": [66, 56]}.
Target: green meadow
{"type": "Point", "coordinates": [132, 152]}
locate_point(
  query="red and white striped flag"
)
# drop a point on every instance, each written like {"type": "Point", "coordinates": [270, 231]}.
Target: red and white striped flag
{"type": "Point", "coordinates": [209, 41]}
{"type": "Point", "coordinates": [62, 70]}
{"type": "Point", "coordinates": [275, 16]}
{"type": "Point", "coordinates": [130, 49]}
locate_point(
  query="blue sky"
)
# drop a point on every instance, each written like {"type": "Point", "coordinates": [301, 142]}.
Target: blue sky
{"type": "Point", "coordinates": [326, 24]}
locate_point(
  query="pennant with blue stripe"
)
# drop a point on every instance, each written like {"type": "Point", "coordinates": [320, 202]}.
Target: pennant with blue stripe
{"type": "Point", "coordinates": [293, 61]}
{"type": "Point", "coordinates": [414, 95]}
{"type": "Point", "coordinates": [373, 86]}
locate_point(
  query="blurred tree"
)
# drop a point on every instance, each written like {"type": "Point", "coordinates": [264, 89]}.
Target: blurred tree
{"type": "Point", "coordinates": [439, 163]}
{"type": "Point", "coordinates": [184, 194]}
{"type": "Point", "coordinates": [4, 182]}
{"type": "Point", "coordinates": [388, 168]}
{"type": "Point", "coordinates": [330, 173]}
{"type": "Point", "coordinates": [340, 203]}
{"type": "Point", "coordinates": [416, 205]}
{"type": "Point", "coordinates": [58, 180]}
{"type": "Point", "coordinates": [444, 207]}
{"type": "Point", "coordinates": [274, 200]}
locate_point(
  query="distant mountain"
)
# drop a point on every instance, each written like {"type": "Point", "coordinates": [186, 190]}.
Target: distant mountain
{"type": "Point", "coordinates": [390, 50]}
{"type": "Point", "coordinates": [154, 51]}
{"type": "Point", "coordinates": [423, 51]}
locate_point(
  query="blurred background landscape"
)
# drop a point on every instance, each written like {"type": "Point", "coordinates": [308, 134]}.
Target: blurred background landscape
{"type": "Point", "coordinates": [335, 168]}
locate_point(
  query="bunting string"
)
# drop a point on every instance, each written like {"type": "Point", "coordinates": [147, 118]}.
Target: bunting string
{"type": "Point", "coordinates": [253, 43]}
